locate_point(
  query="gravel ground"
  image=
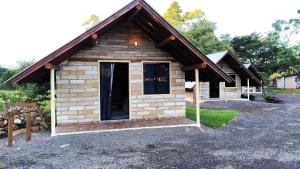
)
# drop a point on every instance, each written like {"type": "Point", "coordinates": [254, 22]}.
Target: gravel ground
{"type": "Point", "coordinates": [263, 136]}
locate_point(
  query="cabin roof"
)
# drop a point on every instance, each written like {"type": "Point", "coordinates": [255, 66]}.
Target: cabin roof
{"type": "Point", "coordinates": [217, 57]}
{"type": "Point", "coordinates": [253, 70]}
{"type": "Point", "coordinates": [247, 65]}
{"type": "Point", "coordinates": [149, 21]}
{"type": "Point", "coordinates": [235, 65]}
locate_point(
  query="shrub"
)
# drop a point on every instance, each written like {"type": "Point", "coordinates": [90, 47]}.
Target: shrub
{"type": "Point", "coordinates": [272, 99]}
{"type": "Point", "coordinates": [27, 93]}
{"type": "Point", "coordinates": [10, 98]}
{"type": "Point", "coordinates": [45, 106]}
{"type": "Point", "coordinates": [34, 92]}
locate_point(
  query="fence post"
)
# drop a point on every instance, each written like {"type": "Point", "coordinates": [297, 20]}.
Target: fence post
{"type": "Point", "coordinates": [10, 130]}
{"type": "Point", "coordinates": [28, 126]}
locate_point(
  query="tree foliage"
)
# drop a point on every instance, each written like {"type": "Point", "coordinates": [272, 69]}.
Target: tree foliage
{"type": "Point", "coordinates": [8, 73]}
{"type": "Point", "coordinates": [269, 54]}
{"type": "Point", "coordinates": [287, 30]}
{"type": "Point", "coordinates": [175, 17]}
{"type": "Point", "coordinates": [2, 70]}
{"type": "Point", "coordinates": [23, 64]}
{"type": "Point", "coordinates": [92, 21]}
{"type": "Point", "coordinates": [202, 35]}
{"type": "Point", "coordinates": [5, 76]}
{"type": "Point", "coordinates": [276, 52]}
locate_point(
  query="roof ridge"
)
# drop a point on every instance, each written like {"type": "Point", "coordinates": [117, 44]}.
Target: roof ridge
{"type": "Point", "coordinates": [61, 53]}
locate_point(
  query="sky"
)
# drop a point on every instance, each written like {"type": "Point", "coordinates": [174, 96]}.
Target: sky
{"type": "Point", "coordinates": [35, 28]}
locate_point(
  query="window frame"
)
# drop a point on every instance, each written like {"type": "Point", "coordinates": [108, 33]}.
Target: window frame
{"type": "Point", "coordinates": [170, 82]}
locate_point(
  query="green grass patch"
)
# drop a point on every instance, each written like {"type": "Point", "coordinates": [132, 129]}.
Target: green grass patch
{"type": "Point", "coordinates": [286, 91]}
{"type": "Point", "coordinates": [1, 165]}
{"type": "Point", "coordinates": [212, 118]}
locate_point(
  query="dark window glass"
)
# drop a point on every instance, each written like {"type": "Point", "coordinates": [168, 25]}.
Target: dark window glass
{"type": "Point", "coordinates": [156, 78]}
{"type": "Point", "coordinates": [231, 84]}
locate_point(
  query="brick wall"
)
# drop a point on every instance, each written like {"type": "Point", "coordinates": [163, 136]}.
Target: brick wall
{"type": "Point", "coordinates": [77, 82]}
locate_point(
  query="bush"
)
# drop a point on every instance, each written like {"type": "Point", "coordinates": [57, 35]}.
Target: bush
{"type": "Point", "coordinates": [272, 99]}
{"type": "Point", "coordinates": [34, 92]}
{"type": "Point", "coordinates": [10, 98]}
{"type": "Point", "coordinates": [28, 93]}
{"type": "Point", "coordinates": [245, 96]}
{"type": "Point", "coordinates": [45, 106]}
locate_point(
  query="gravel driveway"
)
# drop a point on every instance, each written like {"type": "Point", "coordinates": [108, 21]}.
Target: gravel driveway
{"type": "Point", "coordinates": [263, 136]}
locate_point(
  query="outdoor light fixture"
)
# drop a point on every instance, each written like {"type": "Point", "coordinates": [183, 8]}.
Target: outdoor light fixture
{"type": "Point", "coordinates": [135, 43]}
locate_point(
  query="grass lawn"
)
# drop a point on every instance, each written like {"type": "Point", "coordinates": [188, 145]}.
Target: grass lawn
{"type": "Point", "coordinates": [286, 91]}
{"type": "Point", "coordinates": [212, 118]}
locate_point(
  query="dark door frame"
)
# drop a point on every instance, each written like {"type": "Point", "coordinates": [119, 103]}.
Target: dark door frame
{"type": "Point", "coordinates": [215, 87]}
{"type": "Point", "coordinates": [99, 85]}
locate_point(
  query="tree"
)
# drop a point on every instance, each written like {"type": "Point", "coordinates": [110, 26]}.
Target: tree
{"type": "Point", "coordinates": [91, 22]}
{"type": "Point", "coordinates": [202, 35]}
{"type": "Point", "coordinates": [226, 40]}
{"type": "Point", "coordinates": [256, 50]}
{"type": "Point", "coordinates": [23, 64]}
{"type": "Point", "coordinates": [5, 76]}
{"type": "Point", "coordinates": [11, 72]}
{"type": "Point", "coordinates": [287, 29]}
{"type": "Point", "coordinates": [175, 17]}
{"type": "Point", "coordinates": [268, 54]}
{"type": "Point", "coordinates": [2, 70]}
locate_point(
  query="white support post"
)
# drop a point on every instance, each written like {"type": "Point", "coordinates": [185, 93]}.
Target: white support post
{"type": "Point", "coordinates": [248, 84]}
{"type": "Point", "coordinates": [200, 91]}
{"type": "Point", "coordinates": [197, 97]}
{"type": "Point", "coordinates": [52, 86]}
{"type": "Point", "coordinates": [261, 87]}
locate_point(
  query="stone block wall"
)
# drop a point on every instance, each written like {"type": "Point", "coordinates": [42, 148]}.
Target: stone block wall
{"type": "Point", "coordinates": [229, 95]}
{"type": "Point", "coordinates": [157, 106]}
{"type": "Point", "coordinates": [204, 90]}
{"type": "Point", "coordinates": [77, 81]}
{"type": "Point", "coordinates": [77, 92]}
{"type": "Point", "coordinates": [204, 86]}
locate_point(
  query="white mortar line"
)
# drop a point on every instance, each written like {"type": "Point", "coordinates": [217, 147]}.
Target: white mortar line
{"type": "Point", "coordinates": [126, 129]}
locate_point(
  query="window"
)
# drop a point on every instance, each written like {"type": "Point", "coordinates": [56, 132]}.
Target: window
{"type": "Point", "coordinates": [231, 84]}
{"type": "Point", "coordinates": [156, 78]}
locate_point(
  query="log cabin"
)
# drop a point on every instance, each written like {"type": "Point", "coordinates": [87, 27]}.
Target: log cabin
{"type": "Point", "coordinates": [132, 65]}
{"type": "Point", "coordinates": [216, 90]}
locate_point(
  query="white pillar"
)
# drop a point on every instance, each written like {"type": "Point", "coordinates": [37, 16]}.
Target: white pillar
{"type": "Point", "coordinates": [200, 91]}
{"type": "Point", "coordinates": [261, 87]}
{"type": "Point", "coordinates": [197, 97]}
{"type": "Point", "coordinates": [248, 84]}
{"type": "Point", "coordinates": [53, 115]}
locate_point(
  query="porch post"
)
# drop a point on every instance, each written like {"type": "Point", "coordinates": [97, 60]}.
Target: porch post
{"type": "Point", "coordinates": [261, 87]}
{"type": "Point", "coordinates": [248, 84]}
{"type": "Point", "coordinates": [52, 86]}
{"type": "Point", "coordinates": [197, 97]}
